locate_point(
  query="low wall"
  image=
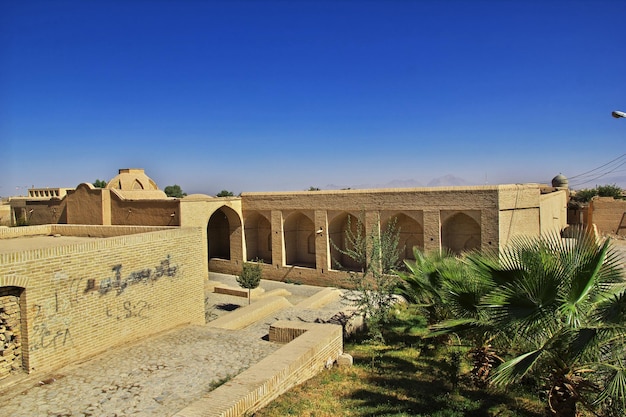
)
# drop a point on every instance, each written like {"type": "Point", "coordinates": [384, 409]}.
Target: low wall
{"type": "Point", "coordinates": [77, 300]}
{"type": "Point", "coordinates": [294, 274]}
{"type": "Point", "coordinates": [311, 348]}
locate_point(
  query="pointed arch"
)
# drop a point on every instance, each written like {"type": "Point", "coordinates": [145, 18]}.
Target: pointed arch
{"type": "Point", "coordinates": [411, 234]}
{"type": "Point", "coordinates": [258, 233]}
{"type": "Point", "coordinates": [297, 229]}
{"type": "Point", "coordinates": [221, 229]}
{"type": "Point", "coordinates": [460, 233]}
{"type": "Point", "coordinates": [339, 226]}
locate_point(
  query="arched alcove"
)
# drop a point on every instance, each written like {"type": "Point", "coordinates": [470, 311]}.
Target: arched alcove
{"type": "Point", "coordinates": [223, 223]}
{"type": "Point", "coordinates": [298, 229]}
{"type": "Point", "coordinates": [337, 233]}
{"type": "Point", "coordinates": [460, 233]}
{"type": "Point", "coordinates": [258, 232]}
{"type": "Point", "coordinates": [12, 327]}
{"type": "Point", "coordinates": [411, 234]}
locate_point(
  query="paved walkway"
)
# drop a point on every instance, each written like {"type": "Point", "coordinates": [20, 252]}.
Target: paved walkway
{"type": "Point", "coordinates": [162, 374]}
{"type": "Point", "coordinates": [159, 375]}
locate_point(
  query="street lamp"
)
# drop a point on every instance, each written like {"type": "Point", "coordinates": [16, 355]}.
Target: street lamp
{"type": "Point", "coordinates": [618, 114]}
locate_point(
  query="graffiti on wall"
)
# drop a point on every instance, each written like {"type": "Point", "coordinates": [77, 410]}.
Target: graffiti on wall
{"type": "Point", "coordinates": [143, 276]}
{"type": "Point", "coordinates": [51, 323]}
{"type": "Point", "coordinates": [52, 318]}
{"type": "Point", "coordinates": [128, 309]}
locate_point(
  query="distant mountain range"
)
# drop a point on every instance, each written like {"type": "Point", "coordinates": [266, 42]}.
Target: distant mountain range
{"type": "Point", "coordinates": [445, 181]}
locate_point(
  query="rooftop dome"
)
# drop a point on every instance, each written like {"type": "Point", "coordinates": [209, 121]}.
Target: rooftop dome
{"type": "Point", "coordinates": [131, 179]}
{"type": "Point", "coordinates": [560, 181]}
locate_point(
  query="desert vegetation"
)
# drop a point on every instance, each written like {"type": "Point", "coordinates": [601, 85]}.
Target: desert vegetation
{"type": "Point", "coordinates": [538, 329]}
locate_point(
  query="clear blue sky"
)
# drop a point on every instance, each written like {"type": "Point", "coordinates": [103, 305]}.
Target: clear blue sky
{"type": "Point", "coordinates": [283, 95]}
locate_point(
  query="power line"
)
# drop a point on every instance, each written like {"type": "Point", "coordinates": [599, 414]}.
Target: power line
{"type": "Point", "coordinates": [600, 167]}
{"type": "Point", "coordinates": [601, 175]}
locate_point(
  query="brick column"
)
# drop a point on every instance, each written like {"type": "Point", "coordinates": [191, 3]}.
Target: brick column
{"type": "Point", "coordinates": [432, 230]}
{"type": "Point", "coordinates": [322, 245]}
{"type": "Point", "coordinates": [278, 247]}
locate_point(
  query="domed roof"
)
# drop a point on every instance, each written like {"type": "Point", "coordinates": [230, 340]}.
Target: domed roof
{"type": "Point", "coordinates": [560, 181]}
{"type": "Point", "coordinates": [131, 179]}
{"type": "Point", "coordinates": [197, 197]}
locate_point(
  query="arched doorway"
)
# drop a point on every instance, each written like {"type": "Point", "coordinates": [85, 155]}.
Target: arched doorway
{"type": "Point", "coordinates": [223, 224]}
{"type": "Point", "coordinates": [460, 233]}
{"type": "Point", "coordinates": [299, 240]}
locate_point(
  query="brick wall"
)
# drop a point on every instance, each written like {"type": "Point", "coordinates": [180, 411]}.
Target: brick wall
{"type": "Point", "coordinates": [80, 299]}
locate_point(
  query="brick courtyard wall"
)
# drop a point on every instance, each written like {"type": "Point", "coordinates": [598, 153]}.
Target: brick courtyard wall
{"type": "Point", "coordinates": [608, 214]}
{"type": "Point", "coordinates": [499, 212]}
{"type": "Point", "coordinates": [81, 299]}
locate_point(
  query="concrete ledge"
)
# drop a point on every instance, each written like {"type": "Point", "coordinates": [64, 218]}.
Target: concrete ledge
{"type": "Point", "coordinates": [278, 291]}
{"type": "Point", "coordinates": [320, 299]}
{"type": "Point", "coordinates": [237, 291]}
{"type": "Point", "coordinates": [249, 314]}
{"type": "Point", "coordinates": [317, 346]}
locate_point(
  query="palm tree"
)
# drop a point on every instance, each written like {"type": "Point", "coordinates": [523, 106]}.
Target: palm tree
{"type": "Point", "coordinates": [450, 291]}
{"type": "Point", "coordinates": [421, 282]}
{"type": "Point", "coordinates": [563, 304]}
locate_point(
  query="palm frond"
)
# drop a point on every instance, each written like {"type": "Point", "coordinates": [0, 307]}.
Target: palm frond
{"type": "Point", "coordinates": [514, 369]}
{"type": "Point", "coordinates": [615, 387]}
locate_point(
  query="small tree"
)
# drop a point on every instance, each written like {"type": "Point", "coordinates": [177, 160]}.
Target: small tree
{"type": "Point", "coordinates": [250, 276]}
{"type": "Point", "coordinates": [225, 193]}
{"type": "Point", "coordinates": [374, 287]}
{"type": "Point", "coordinates": [174, 191]}
{"type": "Point", "coordinates": [311, 188]}
{"type": "Point", "coordinates": [99, 183]}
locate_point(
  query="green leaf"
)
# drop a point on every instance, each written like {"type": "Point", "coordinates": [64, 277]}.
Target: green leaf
{"type": "Point", "coordinates": [512, 370]}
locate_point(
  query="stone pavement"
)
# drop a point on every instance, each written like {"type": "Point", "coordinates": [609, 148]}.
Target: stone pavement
{"type": "Point", "coordinates": [162, 374]}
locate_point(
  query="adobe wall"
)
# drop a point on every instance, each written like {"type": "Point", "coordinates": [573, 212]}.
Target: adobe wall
{"type": "Point", "coordinates": [553, 211]}
{"type": "Point", "coordinates": [48, 211]}
{"type": "Point", "coordinates": [88, 205]}
{"type": "Point", "coordinates": [144, 212]}
{"type": "Point", "coordinates": [80, 299]}
{"type": "Point", "coordinates": [608, 214]}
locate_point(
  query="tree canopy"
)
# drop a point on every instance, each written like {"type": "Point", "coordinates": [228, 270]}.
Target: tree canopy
{"type": "Point", "coordinates": [225, 193]}
{"type": "Point", "coordinates": [174, 191]}
{"type": "Point", "coordinates": [99, 183]}
{"type": "Point", "coordinates": [586, 194]}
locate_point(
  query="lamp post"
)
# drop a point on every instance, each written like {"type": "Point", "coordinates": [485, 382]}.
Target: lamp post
{"type": "Point", "coordinates": [618, 114]}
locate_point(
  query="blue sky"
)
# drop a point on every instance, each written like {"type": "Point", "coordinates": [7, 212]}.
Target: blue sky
{"type": "Point", "coordinates": [283, 95]}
